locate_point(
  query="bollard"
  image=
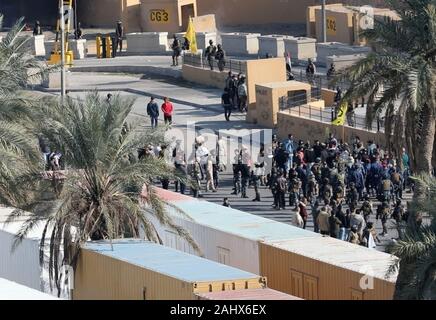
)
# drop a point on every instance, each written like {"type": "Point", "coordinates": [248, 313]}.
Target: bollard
{"type": "Point", "coordinates": [114, 47]}
{"type": "Point", "coordinates": [109, 49]}
{"type": "Point", "coordinates": [103, 48]}
{"type": "Point", "coordinates": [98, 46]}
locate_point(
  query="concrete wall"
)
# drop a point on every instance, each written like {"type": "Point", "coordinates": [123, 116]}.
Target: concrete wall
{"type": "Point", "coordinates": [240, 44]}
{"type": "Point", "coordinates": [206, 77]}
{"type": "Point", "coordinates": [315, 130]}
{"type": "Point", "coordinates": [99, 13]}
{"type": "Point", "coordinates": [166, 15]}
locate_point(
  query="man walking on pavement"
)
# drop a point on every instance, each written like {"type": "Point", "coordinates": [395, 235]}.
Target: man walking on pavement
{"type": "Point", "coordinates": [227, 104]}
{"type": "Point", "coordinates": [119, 31]}
{"type": "Point", "coordinates": [242, 94]}
{"type": "Point", "coordinates": [210, 54]}
{"type": "Point", "coordinates": [167, 109]}
{"type": "Point", "coordinates": [153, 112]}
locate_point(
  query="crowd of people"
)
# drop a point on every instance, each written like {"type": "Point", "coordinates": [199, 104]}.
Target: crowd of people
{"type": "Point", "coordinates": [337, 183]}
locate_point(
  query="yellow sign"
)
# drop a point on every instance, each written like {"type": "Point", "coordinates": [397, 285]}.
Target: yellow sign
{"type": "Point", "coordinates": [331, 26]}
{"type": "Point", "coordinates": [159, 16]}
{"type": "Point", "coordinates": [342, 114]}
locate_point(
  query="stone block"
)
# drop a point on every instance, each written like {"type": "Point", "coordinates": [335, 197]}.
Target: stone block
{"type": "Point", "coordinates": [342, 62]}
{"type": "Point", "coordinates": [327, 49]}
{"type": "Point", "coordinates": [36, 46]}
{"type": "Point", "coordinates": [301, 48]}
{"type": "Point", "coordinates": [273, 45]}
{"type": "Point", "coordinates": [147, 43]}
{"type": "Point", "coordinates": [53, 80]}
{"type": "Point", "coordinates": [79, 48]}
{"type": "Point", "coordinates": [240, 44]}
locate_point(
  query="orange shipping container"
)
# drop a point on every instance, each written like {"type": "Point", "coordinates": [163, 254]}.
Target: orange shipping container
{"type": "Point", "coordinates": [137, 269]}
{"type": "Point", "coordinates": [327, 269]}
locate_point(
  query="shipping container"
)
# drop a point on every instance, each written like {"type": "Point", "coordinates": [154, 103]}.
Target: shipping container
{"type": "Point", "coordinates": [252, 294]}
{"type": "Point", "coordinates": [313, 267]}
{"type": "Point", "coordinates": [326, 269]}
{"type": "Point", "coordinates": [13, 291]}
{"type": "Point", "coordinates": [224, 235]}
{"type": "Point", "coordinates": [132, 269]}
{"type": "Point", "coordinates": [22, 264]}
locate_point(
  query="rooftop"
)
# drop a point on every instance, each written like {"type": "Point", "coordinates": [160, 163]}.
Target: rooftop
{"type": "Point", "coordinates": [167, 261]}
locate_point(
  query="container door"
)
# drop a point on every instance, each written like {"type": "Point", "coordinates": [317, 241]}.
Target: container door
{"type": "Point", "coordinates": [224, 256]}
{"type": "Point", "coordinates": [356, 294]}
{"type": "Point", "coordinates": [310, 287]}
{"type": "Point", "coordinates": [297, 283]}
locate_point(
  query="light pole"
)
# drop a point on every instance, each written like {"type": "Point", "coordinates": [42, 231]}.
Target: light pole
{"type": "Point", "coordinates": [324, 22]}
{"type": "Point", "coordinates": [62, 22]}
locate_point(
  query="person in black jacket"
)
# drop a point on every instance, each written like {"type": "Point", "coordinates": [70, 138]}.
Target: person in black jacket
{"type": "Point", "coordinates": [153, 112]}
{"type": "Point", "coordinates": [119, 32]}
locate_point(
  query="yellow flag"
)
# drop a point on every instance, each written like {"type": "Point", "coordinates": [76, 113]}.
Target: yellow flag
{"type": "Point", "coordinates": [342, 114]}
{"type": "Point", "coordinates": [190, 35]}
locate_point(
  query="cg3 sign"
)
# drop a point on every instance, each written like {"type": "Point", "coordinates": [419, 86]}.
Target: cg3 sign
{"type": "Point", "coordinates": [331, 26]}
{"type": "Point", "coordinates": [159, 15]}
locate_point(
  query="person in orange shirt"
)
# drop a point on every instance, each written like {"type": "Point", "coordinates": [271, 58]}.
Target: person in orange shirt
{"type": "Point", "coordinates": [167, 109]}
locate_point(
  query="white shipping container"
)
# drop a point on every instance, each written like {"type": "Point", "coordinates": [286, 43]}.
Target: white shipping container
{"type": "Point", "coordinates": [13, 291]}
{"type": "Point", "coordinates": [223, 234]}
{"type": "Point", "coordinates": [22, 264]}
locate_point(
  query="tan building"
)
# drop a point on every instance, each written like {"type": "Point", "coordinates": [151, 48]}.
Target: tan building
{"type": "Point", "coordinates": [344, 23]}
{"type": "Point", "coordinates": [103, 13]}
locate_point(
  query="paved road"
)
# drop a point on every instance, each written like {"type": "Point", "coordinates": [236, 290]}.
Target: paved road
{"type": "Point", "coordinates": [206, 116]}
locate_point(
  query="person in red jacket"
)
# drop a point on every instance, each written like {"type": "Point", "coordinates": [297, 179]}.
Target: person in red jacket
{"type": "Point", "coordinates": [167, 109]}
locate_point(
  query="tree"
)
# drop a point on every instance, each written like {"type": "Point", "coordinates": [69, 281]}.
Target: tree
{"type": "Point", "coordinates": [416, 250]}
{"type": "Point", "coordinates": [401, 70]}
{"type": "Point", "coordinates": [101, 193]}
{"type": "Point", "coordinates": [18, 147]}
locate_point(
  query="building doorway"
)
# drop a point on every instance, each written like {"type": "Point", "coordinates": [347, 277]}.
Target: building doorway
{"type": "Point", "coordinates": [187, 11]}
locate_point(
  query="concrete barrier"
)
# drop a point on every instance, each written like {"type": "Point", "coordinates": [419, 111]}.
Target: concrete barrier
{"type": "Point", "coordinates": [301, 49]}
{"type": "Point", "coordinates": [53, 80]}
{"type": "Point", "coordinates": [273, 45]}
{"type": "Point", "coordinates": [203, 39]}
{"type": "Point", "coordinates": [327, 49]}
{"type": "Point", "coordinates": [240, 44]}
{"type": "Point", "coordinates": [36, 46]}
{"type": "Point", "coordinates": [269, 95]}
{"type": "Point", "coordinates": [206, 77]}
{"type": "Point", "coordinates": [342, 62]}
{"type": "Point", "coordinates": [79, 49]}
{"type": "Point", "coordinates": [311, 130]}
{"type": "Point", "coordinates": [48, 45]}
{"type": "Point", "coordinates": [147, 43]}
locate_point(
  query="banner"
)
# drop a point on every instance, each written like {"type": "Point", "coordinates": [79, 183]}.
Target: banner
{"type": "Point", "coordinates": [342, 114]}
{"type": "Point", "coordinates": [190, 35]}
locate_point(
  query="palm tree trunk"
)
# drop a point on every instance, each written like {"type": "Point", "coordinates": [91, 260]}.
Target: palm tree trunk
{"type": "Point", "coordinates": [426, 143]}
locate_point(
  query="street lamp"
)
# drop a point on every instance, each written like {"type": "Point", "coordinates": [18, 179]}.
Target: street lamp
{"type": "Point", "coordinates": [324, 22]}
{"type": "Point", "coordinates": [62, 22]}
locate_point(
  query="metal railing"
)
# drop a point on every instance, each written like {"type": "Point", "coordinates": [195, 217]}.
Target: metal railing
{"type": "Point", "coordinates": [199, 61]}
{"type": "Point", "coordinates": [321, 81]}
{"type": "Point", "coordinates": [301, 105]}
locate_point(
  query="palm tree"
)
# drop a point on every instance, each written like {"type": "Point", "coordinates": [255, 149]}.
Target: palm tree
{"type": "Point", "coordinates": [416, 250]}
{"type": "Point", "coordinates": [18, 147]}
{"type": "Point", "coordinates": [401, 70]}
{"type": "Point", "coordinates": [101, 195]}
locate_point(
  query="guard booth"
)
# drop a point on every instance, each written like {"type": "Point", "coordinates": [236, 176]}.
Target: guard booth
{"type": "Point", "coordinates": [166, 15]}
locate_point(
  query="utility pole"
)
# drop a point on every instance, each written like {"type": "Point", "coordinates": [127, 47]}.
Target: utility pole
{"type": "Point", "coordinates": [63, 80]}
{"type": "Point", "coordinates": [324, 22]}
